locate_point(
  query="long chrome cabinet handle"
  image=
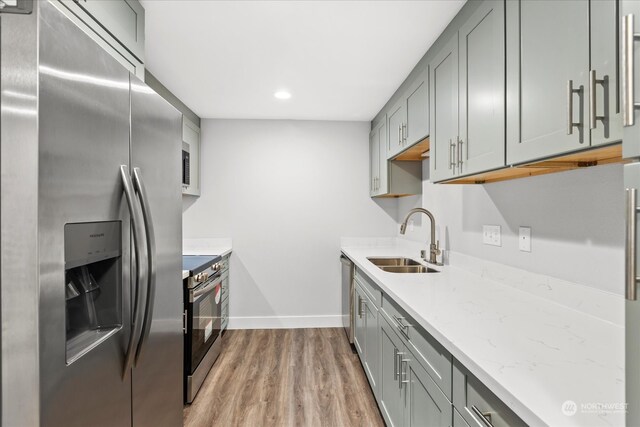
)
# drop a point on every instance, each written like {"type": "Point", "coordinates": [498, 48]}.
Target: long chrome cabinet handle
{"type": "Point", "coordinates": [629, 36]}
{"type": "Point", "coordinates": [403, 372]}
{"type": "Point", "coordinates": [593, 104]}
{"type": "Point", "coordinates": [631, 275]}
{"type": "Point", "coordinates": [570, 92]}
{"type": "Point", "coordinates": [405, 131]}
{"type": "Point", "coordinates": [459, 154]}
{"type": "Point", "coordinates": [400, 134]}
{"type": "Point", "coordinates": [484, 417]}
{"type": "Point", "coordinates": [399, 367]}
{"type": "Point", "coordinates": [141, 268]}
{"type": "Point", "coordinates": [452, 157]}
{"type": "Point", "coordinates": [138, 185]}
{"type": "Point", "coordinates": [395, 363]}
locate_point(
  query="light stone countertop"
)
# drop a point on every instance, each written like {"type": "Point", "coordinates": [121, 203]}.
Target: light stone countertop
{"type": "Point", "coordinates": [205, 246]}
{"type": "Point", "coordinates": [533, 352]}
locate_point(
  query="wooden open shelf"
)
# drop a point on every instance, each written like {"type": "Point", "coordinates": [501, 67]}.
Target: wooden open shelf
{"type": "Point", "coordinates": [414, 152]}
{"type": "Point", "coordinates": [582, 159]}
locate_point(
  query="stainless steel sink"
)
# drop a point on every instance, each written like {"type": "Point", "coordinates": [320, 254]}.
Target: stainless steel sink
{"type": "Point", "coordinates": [401, 265]}
{"type": "Point", "coordinates": [380, 262]}
{"type": "Point", "coordinates": [408, 269]}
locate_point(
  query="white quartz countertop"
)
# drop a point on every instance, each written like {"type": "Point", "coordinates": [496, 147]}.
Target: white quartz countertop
{"type": "Point", "coordinates": [206, 246]}
{"type": "Point", "coordinates": [533, 353]}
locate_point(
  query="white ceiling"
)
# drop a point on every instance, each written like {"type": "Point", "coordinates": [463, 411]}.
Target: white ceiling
{"type": "Point", "coordinates": [341, 60]}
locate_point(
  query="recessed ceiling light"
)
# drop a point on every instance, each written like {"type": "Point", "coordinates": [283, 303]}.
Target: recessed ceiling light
{"type": "Point", "coordinates": [282, 94]}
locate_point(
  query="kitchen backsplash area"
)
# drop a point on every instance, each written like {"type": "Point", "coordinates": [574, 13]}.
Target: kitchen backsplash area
{"type": "Point", "coordinates": [575, 217]}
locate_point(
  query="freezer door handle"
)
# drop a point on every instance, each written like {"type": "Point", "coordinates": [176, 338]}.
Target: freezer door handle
{"type": "Point", "coordinates": [139, 241]}
{"type": "Point", "coordinates": [151, 258]}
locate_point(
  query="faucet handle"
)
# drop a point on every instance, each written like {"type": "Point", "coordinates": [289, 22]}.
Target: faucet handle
{"type": "Point", "coordinates": [423, 255]}
{"type": "Point", "coordinates": [438, 251]}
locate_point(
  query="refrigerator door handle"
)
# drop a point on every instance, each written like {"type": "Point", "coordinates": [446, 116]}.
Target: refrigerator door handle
{"type": "Point", "coordinates": [151, 258]}
{"type": "Point", "coordinates": [141, 267]}
{"type": "Point", "coordinates": [631, 276]}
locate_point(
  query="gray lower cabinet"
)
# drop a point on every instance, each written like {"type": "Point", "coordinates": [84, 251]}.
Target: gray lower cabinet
{"type": "Point", "coordinates": [547, 78]}
{"type": "Point", "coordinates": [444, 111]}
{"type": "Point", "coordinates": [458, 421]}
{"type": "Point", "coordinates": [408, 395]}
{"type": "Point", "coordinates": [224, 315]}
{"type": "Point", "coordinates": [481, 142]}
{"type": "Point", "coordinates": [366, 337]}
{"type": "Point", "coordinates": [477, 404]}
{"type": "Point", "coordinates": [360, 322]}
{"type": "Point", "coordinates": [630, 11]}
{"type": "Point", "coordinates": [391, 394]}
{"type": "Point", "coordinates": [426, 404]}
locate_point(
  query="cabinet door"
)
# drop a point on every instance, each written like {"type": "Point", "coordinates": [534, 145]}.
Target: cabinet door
{"type": "Point", "coordinates": [417, 101]}
{"type": "Point", "coordinates": [395, 123]}
{"type": "Point", "coordinates": [426, 404]}
{"type": "Point", "coordinates": [443, 79]}
{"type": "Point", "coordinates": [390, 395]}
{"type": "Point", "coordinates": [374, 162]}
{"type": "Point", "coordinates": [359, 325]}
{"type": "Point", "coordinates": [481, 145]}
{"type": "Point", "coordinates": [605, 71]}
{"type": "Point", "coordinates": [123, 19]}
{"type": "Point", "coordinates": [383, 165]}
{"type": "Point", "coordinates": [372, 343]}
{"type": "Point", "coordinates": [540, 65]}
{"type": "Point", "coordinates": [631, 138]}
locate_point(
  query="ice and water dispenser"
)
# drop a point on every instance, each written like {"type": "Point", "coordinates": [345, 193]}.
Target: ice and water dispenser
{"type": "Point", "coordinates": [93, 284]}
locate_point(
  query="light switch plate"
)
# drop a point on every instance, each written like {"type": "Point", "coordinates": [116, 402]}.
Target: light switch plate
{"type": "Point", "coordinates": [524, 239]}
{"type": "Point", "coordinates": [491, 235]}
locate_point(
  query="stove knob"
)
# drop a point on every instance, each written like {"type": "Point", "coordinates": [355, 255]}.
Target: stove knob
{"type": "Point", "coordinates": [206, 275]}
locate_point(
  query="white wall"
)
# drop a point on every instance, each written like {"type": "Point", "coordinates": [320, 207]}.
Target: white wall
{"type": "Point", "coordinates": [285, 192]}
{"type": "Point", "coordinates": [577, 221]}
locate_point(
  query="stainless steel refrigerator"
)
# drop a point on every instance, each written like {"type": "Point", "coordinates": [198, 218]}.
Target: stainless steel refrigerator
{"type": "Point", "coordinates": [91, 234]}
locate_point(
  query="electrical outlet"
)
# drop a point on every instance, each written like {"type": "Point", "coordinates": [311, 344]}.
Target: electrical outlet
{"type": "Point", "coordinates": [491, 235]}
{"type": "Point", "coordinates": [524, 239]}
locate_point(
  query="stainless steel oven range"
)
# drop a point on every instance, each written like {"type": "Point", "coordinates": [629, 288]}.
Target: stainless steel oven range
{"type": "Point", "coordinates": [202, 323]}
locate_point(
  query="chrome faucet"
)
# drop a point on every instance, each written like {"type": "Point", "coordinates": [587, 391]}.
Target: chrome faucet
{"type": "Point", "coordinates": [434, 247]}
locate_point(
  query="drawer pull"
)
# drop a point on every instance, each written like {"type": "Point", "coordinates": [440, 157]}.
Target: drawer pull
{"type": "Point", "coordinates": [402, 327]}
{"type": "Point", "coordinates": [395, 364]}
{"type": "Point", "coordinates": [485, 417]}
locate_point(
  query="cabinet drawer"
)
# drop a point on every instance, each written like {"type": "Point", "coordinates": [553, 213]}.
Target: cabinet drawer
{"type": "Point", "coordinates": [427, 351]}
{"type": "Point", "coordinates": [473, 399]}
{"type": "Point", "coordinates": [371, 289]}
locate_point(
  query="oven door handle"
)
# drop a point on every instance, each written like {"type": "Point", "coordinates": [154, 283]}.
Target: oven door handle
{"type": "Point", "coordinates": [139, 241]}
{"type": "Point", "coordinates": [139, 187]}
{"type": "Point", "coordinates": [194, 293]}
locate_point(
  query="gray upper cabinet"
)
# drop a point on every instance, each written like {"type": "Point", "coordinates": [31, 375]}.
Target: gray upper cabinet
{"type": "Point", "coordinates": [374, 162]}
{"type": "Point", "coordinates": [417, 104]}
{"type": "Point", "coordinates": [605, 115]}
{"type": "Point", "coordinates": [630, 11]}
{"type": "Point", "coordinates": [408, 119]}
{"type": "Point", "coordinates": [547, 78]}
{"type": "Point", "coordinates": [124, 19]}
{"type": "Point", "coordinates": [396, 128]}
{"type": "Point", "coordinates": [116, 25]}
{"type": "Point", "coordinates": [443, 79]}
{"type": "Point", "coordinates": [481, 143]}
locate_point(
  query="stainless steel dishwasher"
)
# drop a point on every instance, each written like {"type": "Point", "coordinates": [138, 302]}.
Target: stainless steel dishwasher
{"type": "Point", "coordinates": [348, 269]}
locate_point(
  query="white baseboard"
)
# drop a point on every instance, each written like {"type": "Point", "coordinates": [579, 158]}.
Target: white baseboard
{"type": "Point", "coordinates": [285, 322]}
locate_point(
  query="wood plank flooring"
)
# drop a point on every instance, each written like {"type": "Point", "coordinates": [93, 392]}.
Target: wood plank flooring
{"type": "Point", "coordinates": [285, 377]}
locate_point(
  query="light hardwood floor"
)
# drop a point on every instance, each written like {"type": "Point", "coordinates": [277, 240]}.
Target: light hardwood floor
{"type": "Point", "coordinates": [285, 377]}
